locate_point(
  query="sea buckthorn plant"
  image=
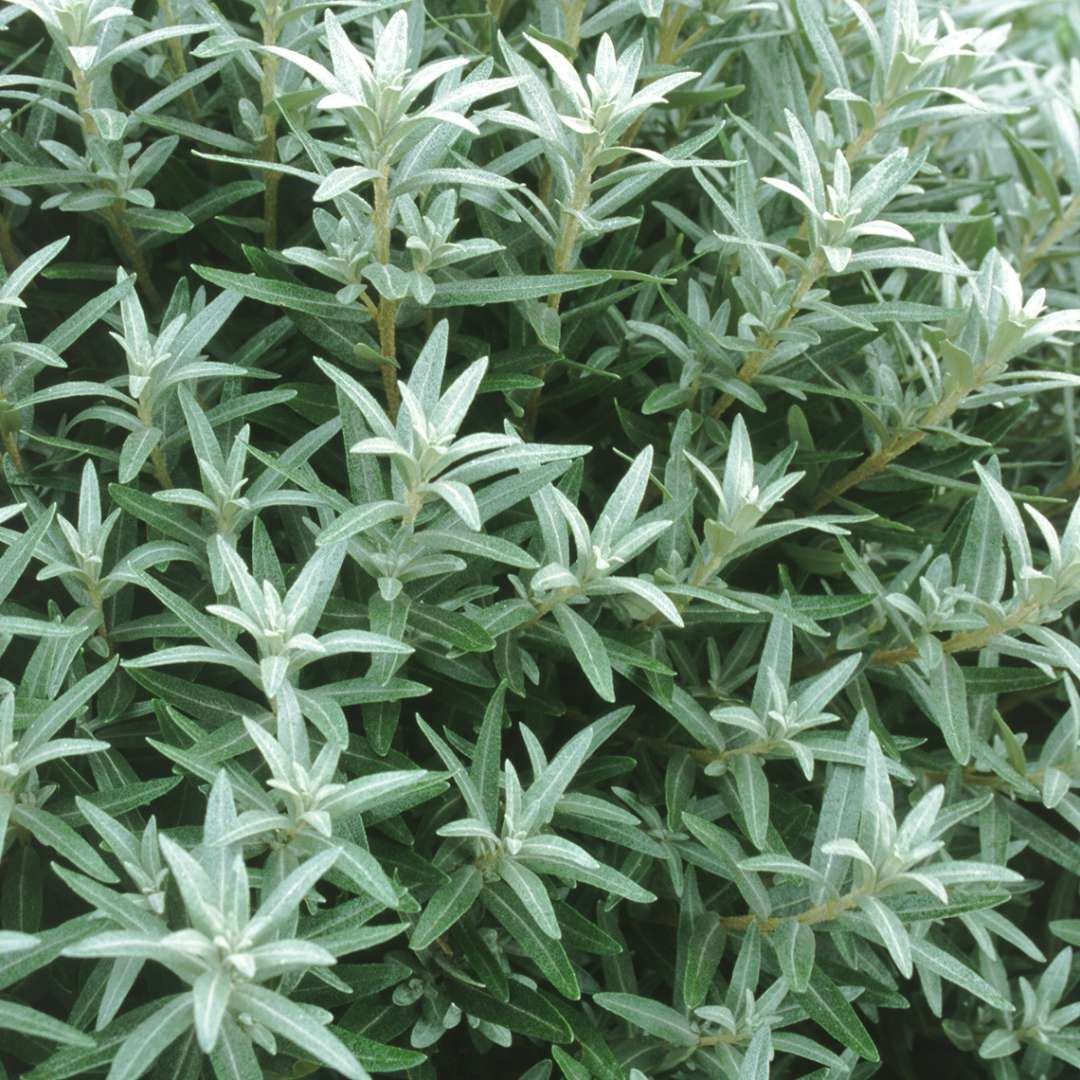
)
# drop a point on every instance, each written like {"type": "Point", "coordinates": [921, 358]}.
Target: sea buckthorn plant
{"type": "Point", "coordinates": [539, 539]}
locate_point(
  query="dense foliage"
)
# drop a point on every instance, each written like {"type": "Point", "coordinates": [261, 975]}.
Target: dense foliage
{"type": "Point", "coordinates": [539, 538]}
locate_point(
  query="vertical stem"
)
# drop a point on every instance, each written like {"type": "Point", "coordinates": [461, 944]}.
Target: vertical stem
{"type": "Point", "coordinates": [671, 23]}
{"type": "Point", "coordinates": [668, 51]}
{"type": "Point", "coordinates": [388, 348]}
{"type": "Point", "coordinates": [11, 448]}
{"type": "Point", "coordinates": [387, 317]}
{"type": "Point", "coordinates": [121, 229]}
{"type": "Point", "coordinates": [135, 255]}
{"type": "Point", "coordinates": [99, 607]}
{"type": "Point", "coordinates": [269, 144]}
{"type": "Point", "coordinates": [573, 13]}
{"type": "Point", "coordinates": [176, 56]}
{"type": "Point", "coordinates": [569, 233]}
{"type": "Point", "coordinates": [9, 250]}
{"type": "Point", "coordinates": [563, 260]}
{"type": "Point", "coordinates": [270, 199]}
{"type": "Point", "coordinates": [145, 411]}
{"type": "Point", "coordinates": [83, 100]}
{"type": "Point", "coordinates": [570, 226]}
{"type": "Point", "coordinates": [161, 469]}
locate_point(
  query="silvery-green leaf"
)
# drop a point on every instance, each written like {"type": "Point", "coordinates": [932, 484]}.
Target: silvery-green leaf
{"type": "Point", "coordinates": [589, 650]}
{"type": "Point", "coordinates": [948, 697]}
{"type": "Point", "coordinates": [296, 1023]}
{"type": "Point", "coordinates": [795, 949]}
{"type": "Point", "coordinates": [450, 903]}
{"type": "Point", "coordinates": [891, 932]}
{"type": "Point", "coordinates": [649, 1016]}
{"type": "Point", "coordinates": [534, 897]}
{"type": "Point", "coordinates": [152, 1037]}
{"type": "Point", "coordinates": [753, 788]}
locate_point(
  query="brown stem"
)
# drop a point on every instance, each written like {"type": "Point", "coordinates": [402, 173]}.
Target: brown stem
{"type": "Point", "coordinates": [899, 444]}
{"type": "Point", "coordinates": [820, 913]}
{"type": "Point", "coordinates": [672, 19]}
{"type": "Point", "coordinates": [121, 229]}
{"type": "Point", "coordinates": [9, 250]}
{"type": "Point", "coordinates": [573, 13]}
{"type": "Point", "coordinates": [562, 261]}
{"type": "Point", "coordinates": [856, 149]}
{"type": "Point", "coordinates": [270, 200]}
{"type": "Point", "coordinates": [570, 227]}
{"type": "Point", "coordinates": [176, 57]}
{"type": "Point", "coordinates": [85, 103]}
{"type": "Point", "coordinates": [870, 466]}
{"type": "Point", "coordinates": [1069, 483]}
{"type": "Point", "coordinates": [268, 151]}
{"type": "Point", "coordinates": [161, 469]}
{"type": "Point", "coordinates": [966, 641]}
{"type": "Point", "coordinates": [767, 341]}
{"type": "Point", "coordinates": [102, 629]}
{"type": "Point", "coordinates": [388, 347]}
{"type": "Point", "coordinates": [135, 255]}
{"type": "Point", "coordinates": [387, 317]}
{"type": "Point", "coordinates": [11, 448]}
{"type": "Point", "coordinates": [668, 51]}
{"type": "Point", "coordinates": [1057, 232]}
{"type": "Point", "coordinates": [707, 757]}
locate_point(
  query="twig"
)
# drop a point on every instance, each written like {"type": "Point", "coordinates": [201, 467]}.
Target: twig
{"type": "Point", "coordinates": [387, 315]}
{"type": "Point", "coordinates": [899, 444]}
{"type": "Point", "coordinates": [767, 341]}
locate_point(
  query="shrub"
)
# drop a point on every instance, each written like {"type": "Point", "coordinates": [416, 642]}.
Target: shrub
{"type": "Point", "coordinates": [540, 538]}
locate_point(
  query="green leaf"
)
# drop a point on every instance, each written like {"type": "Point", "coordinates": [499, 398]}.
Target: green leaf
{"type": "Point", "coordinates": [288, 1020]}
{"type": "Point", "coordinates": [546, 953]}
{"type": "Point", "coordinates": [891, 932]}
{"type": "Point", "coordinates": [588, 649]}
{"type": "Point", "coordinates": [530, 890]}
{"type": "Point", "coordinates": [379, 1057]}
{"type": "Point", "coordinates": [1066, 929]}
{"type": "Point", "coordinates": [730, 856]}
{"type": "Point", "coordinates": [795, 947]}
{"type": "Point", "coordinates": [450, 903]}
{"type": "Point", "coordinates": [50, 830]}
{"type": "Point", "coordinates": [1062, 851]}
{"type": "Point", "coordinates": [827, 1006]}
{"type": "Point", "coordinates": [948, 698]}
{"type": "Point", "coordinates": [753, 790]}
{"type": "Point", "coordinates": [487, 759]}
{"type": "Point", "coordinates": [755, 1063]}
{"type": "Point", "coordinates": [233, 1058]}
{"type": "Point", "coordinates": [37, 1025]}
{"type": "Point", "coordinates": [450, 628]}
{"type": "Point", "coordinates": [504, 290]}
{"type": "Point", "coordinates": [19, 553]}
{"type": "Point", "coordinates": [526, 1012]}
{"type": "Point", "coordinates": [152, 1037]}
{"type": "Point", "coordinates": [943, 964]}
{"type": "Point", "coordinates": [703, 954]}
{"type": "Point", "coordinates": [650, 1016]}
{"type": "Point", "coordinates": [285, 294]}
